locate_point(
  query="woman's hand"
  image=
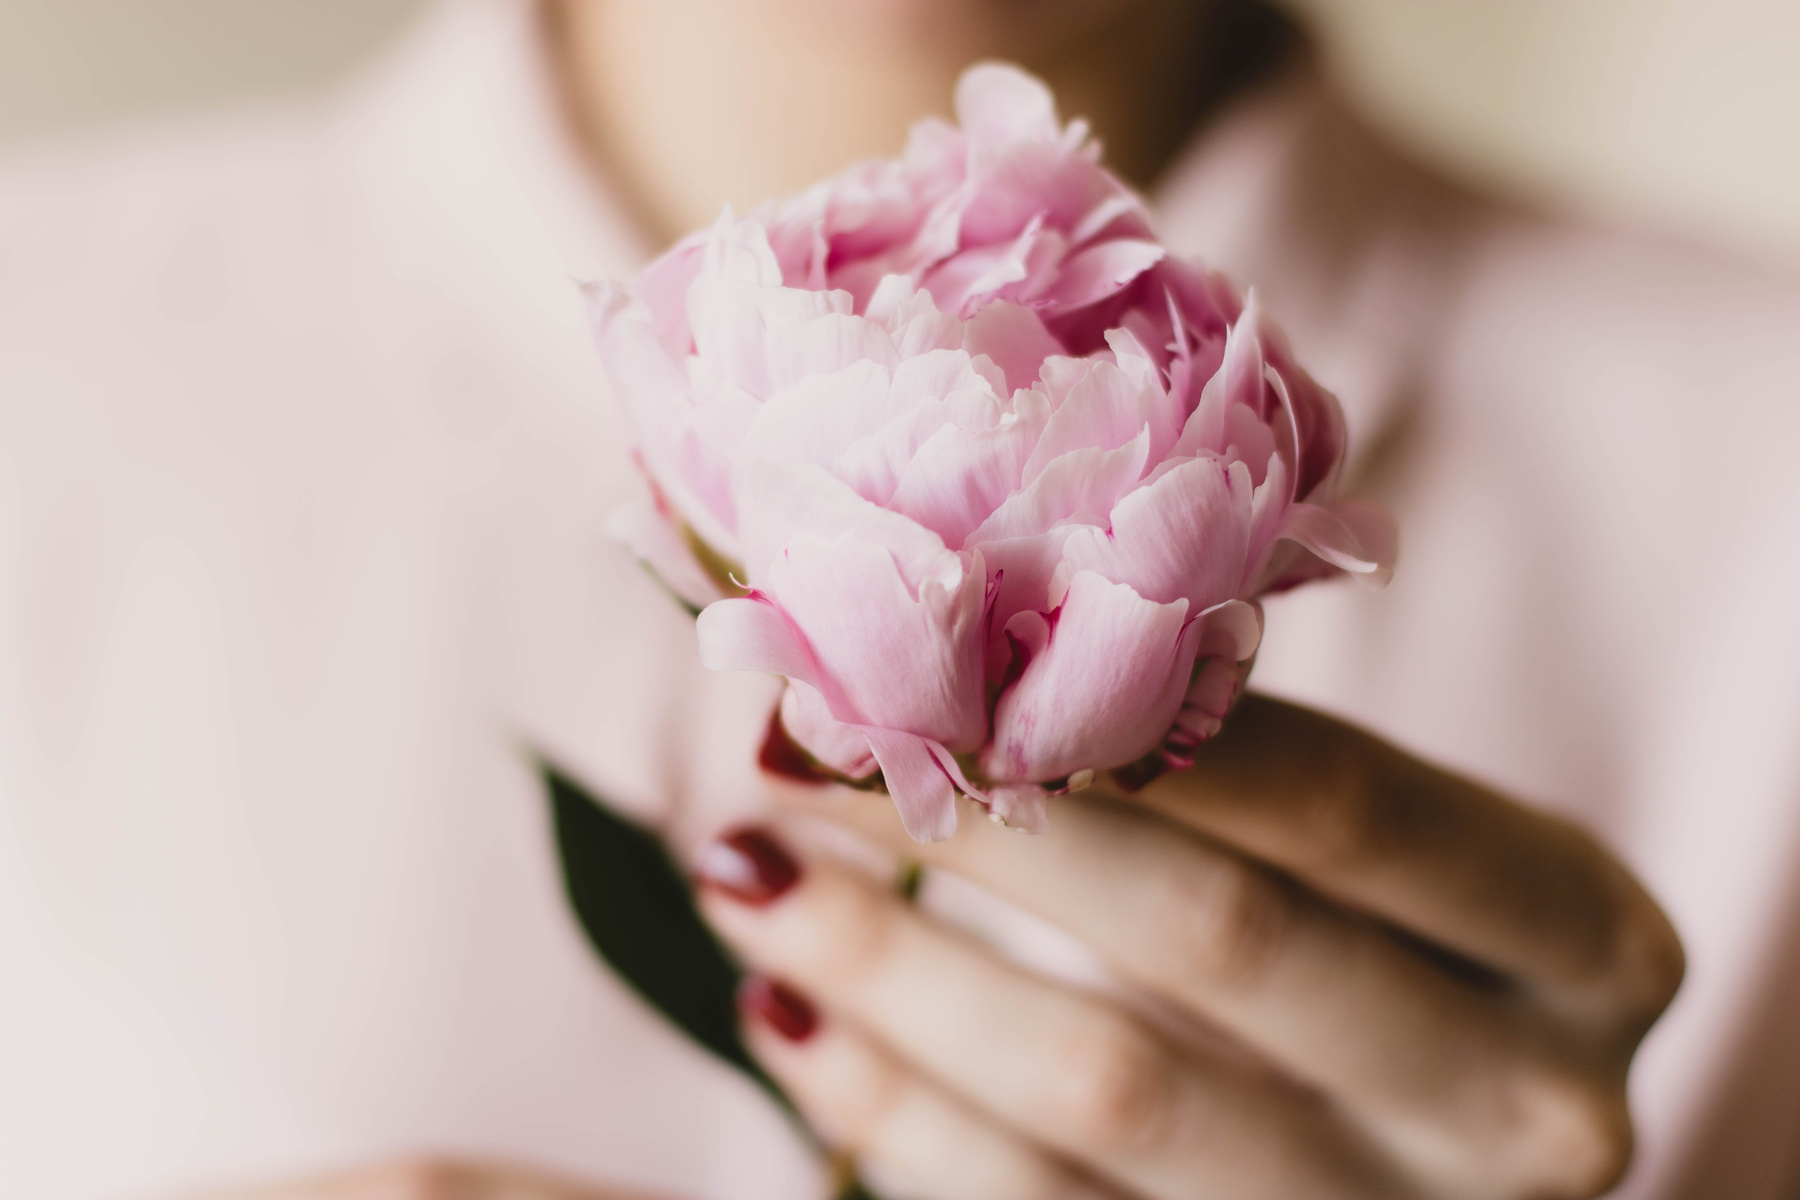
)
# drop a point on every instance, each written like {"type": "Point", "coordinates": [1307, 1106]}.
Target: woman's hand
{"type": "Point", "coordinates": [428, 1179]}
{"type": "Point", "coordinates": [1440, 990]}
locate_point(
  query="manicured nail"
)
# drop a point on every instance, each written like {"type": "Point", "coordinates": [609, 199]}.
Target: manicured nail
{"type": "Point", "coordinates": [779, 1007]}
{"type": "Point", "coordinates": [748, 865]}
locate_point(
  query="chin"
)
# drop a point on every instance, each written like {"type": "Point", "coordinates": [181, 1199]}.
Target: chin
{"type": "Point", "coordinates": [1003, 28]}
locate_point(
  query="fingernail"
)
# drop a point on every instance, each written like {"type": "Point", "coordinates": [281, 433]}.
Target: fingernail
{"type": "Point", "coordinates": [779, 1007]}
{"type": "Point", "coordinates": [748, 865]}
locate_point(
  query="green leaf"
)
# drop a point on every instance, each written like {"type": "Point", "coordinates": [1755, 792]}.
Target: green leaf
{"type": "Point", "coordinates": [637, 907]}
{"type": "Point", "coordinates": [638, 910]}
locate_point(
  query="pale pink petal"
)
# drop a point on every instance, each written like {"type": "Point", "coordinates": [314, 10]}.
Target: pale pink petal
{"type": "Point", "coordinates": [1011, 186]}
{"type": "Point", "coordinates": [1103, 408]}
{"type": "Point", "coordinates": [1250, 441]}
{"type": "Point", "coordinates": [1122, 208]}
{"type": "Point", "coordinates": [1082, 485]}
{"type": "Point", "coordinates": [998, 103]}
{"type": "Point", "coordinates": [1358, 538]}
{"type": "Point", "coordinates": [1232, 630]}
{"type": "Point", "coordinates": [943, 389]}
{"type": "Point", "coordinates": [654, 399]}
{"type": "Point", "coordinates": [886, 654]}
{"type": "Point", "coordinates": [921, 790]}
{"type": "Point", "coordinates": [898, 301]}
{"type": "Point", "coordinates": [912, 319]}
{"type": "Point", "coordinates": [1101, 270]}
{"type": "Point", "coordinates": [779, 502]}
{"type": "Point", "coordinates": [663, 288]}
{"type": "Point", "coordinates": [824, 345]}
{"type": "Point", "coordinates": [1023, 568]}
{"type": "Point", "coordinates": [1317, 417]}
{"type": "Point", "coordinates": [1268, 507]}
{"type": "Point", "coordinates": [1101, 693]}
{"type": "Point", "coordinates": [817, 419]}
{"type": "Point", "coordinates": [1184, 536]}
{"type": "Point", "coordinates": [961, 282]}
{"type": "Point", "coordinates": [740, 250]}
{"type": "Point", "coordinates": [760, 338]}
{"type": "Point", "coordinates": [958, 478]}
{"type": "Point", "coordinates": [840, 746]}
{"type": "Point", "coordinates": [1014, 338]}
{"type": "Point", "coordinates": [1238, 381]}
{"type": "Point", "coordinates": [648, 384]}
{"type": "Point", "coordinates": [1020, 806]}
{"type": "Point", "coordinates": [751, 634]}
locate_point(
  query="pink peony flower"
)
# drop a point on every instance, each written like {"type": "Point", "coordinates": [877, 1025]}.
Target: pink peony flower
{"type": "Point", "coordinates": [953, 444]}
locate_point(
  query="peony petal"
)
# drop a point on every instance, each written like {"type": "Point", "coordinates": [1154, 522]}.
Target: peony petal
{"type": "Point", "coordinates": [663, 287]}
{"type": "Point", "coordinates": [740, 250]}
{"type": "Point", "coordinates": [921, 790]}
{"type": "Point", "coordinates": [1101, 693]}
{"type": "Point", "coordinates": [654, 398]}
{"type": "Point", "coordinates": [751, 634]}
{"type": "Point", "coordinates": [1081, 485]}
{"type": "Point", "coordinates": [1232, 630]}
{"type": "Point", "coordinates": [1122, 208]}
{"type": "Point", "coordinates": [840, 746]}
{"type": "Point", "coordinates": [1103, 407]}
{"type": "Point", "coordinates": [1317, 417]}
{"type": "Point", "coordinates": [1014, 338]}
{"type": "Point", "coordinates": [960, 283]}
{"type": "Point", "coordinates": [780, 502]}
{"type": "Point", "coordinates": [1184, 536]}
{"type": "Point", "coordinates": [824, 345]}
{"type": "Point", "coordinates": [1239, 381]}
{"type": "Point", "coordinates": [944, 389]}
{"type": "Point", "coordinates": [1100, 271]}
{"type": "Point", "coordinates": [1358, 538]}
{"type": "Point", "coordinates": [958, 478]}
{"type": "Point", "coordinates": [885, 653]}
{"type": "Point", "coordinates": [817, 419]}
{"type": "Point", "coordinates": [1000, 104]}
{"type": "Point", "coordinates": [1022, 569]}
{"type": "Point", "coordinates": [1020, 806]}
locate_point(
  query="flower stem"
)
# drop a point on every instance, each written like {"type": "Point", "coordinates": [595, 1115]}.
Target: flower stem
{"type": "Point", "coordinates": [845, 1183]}
{"type": "Point", "coordinates": [908, 880]}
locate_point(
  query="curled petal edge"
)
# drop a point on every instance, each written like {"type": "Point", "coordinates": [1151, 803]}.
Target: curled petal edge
{"type": "Point", "coordinates": [1353, 536]}
{"type": "Point", "coordinates": [923, 777]}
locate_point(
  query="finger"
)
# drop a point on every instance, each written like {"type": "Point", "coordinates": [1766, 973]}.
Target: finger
{"type": "Point", "coordinates": [1330, 997]}
{"type": "Point", "coordinates": [1526, 894]}
{"type": "Point", "coordinates": [864, 1100]}
{"type": "Point", "coordinates": [1067, 1070]}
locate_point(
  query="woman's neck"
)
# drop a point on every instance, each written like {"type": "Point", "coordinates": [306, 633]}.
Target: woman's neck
{"type": "Point", "coordinates": [690, 104]}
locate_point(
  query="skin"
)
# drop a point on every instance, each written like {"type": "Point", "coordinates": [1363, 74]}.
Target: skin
{"type": "Point", "coordinates": [1425, 988]}
{"type": "Point", "coordinates": [1418, 987]}
{"type": "Point", "coordinates": [689, 104]}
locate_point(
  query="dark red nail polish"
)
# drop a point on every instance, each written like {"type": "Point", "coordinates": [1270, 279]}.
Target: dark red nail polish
{"type": "Point", "coordinates": [779, 1007]}
{"type": "Point", "coordinates": [748, 865]}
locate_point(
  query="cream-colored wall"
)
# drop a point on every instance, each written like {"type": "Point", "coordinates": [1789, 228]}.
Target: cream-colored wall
{"type": "Point", "coordinates": [1680, 112]}
{"type": "Point", "coordinates": [68, 64]}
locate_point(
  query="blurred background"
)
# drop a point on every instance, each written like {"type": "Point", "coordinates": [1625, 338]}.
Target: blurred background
{"type": "Point", "coordinates": [1683, 114]}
